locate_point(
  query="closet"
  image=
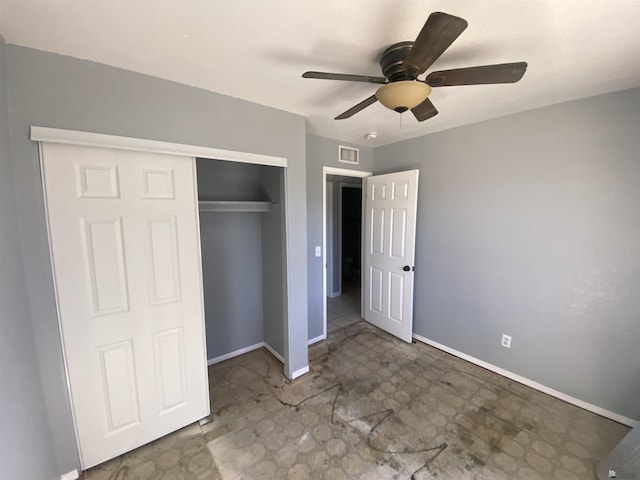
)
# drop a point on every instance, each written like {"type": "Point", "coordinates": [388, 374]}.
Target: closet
{"type": "Point", "coordinates": [144, 238]}
{"type": "Point", "coordinates": [241, 223]}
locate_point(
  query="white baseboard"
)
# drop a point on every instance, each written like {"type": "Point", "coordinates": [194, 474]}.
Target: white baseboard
{"type": "Point", "coordinates": [273, 352]}
{"type": "Point", "coordinates": [299, 373]}
{"type": "Point", "coordinates": [530, 383]}
{"type": "Point", "coordinates": [229, 355]}
{"type": "Point", "coordinates": [334, 294]}
{"type": "Point", "coordinates": [317, 339]}
{"type": "Point", "coordinates": [72, 475]}
{"type": "Point", "coordinates": [248, 349]}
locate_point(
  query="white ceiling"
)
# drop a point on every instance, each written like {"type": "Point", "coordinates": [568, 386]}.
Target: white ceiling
{"type": "Point", "coordinates": [257, 50]}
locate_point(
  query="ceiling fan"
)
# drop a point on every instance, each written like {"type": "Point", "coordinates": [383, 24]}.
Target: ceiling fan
{"type": "Point", "coordinates": [403, 62]}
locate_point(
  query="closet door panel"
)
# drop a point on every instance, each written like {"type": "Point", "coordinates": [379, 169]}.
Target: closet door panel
{"type": "Point", "coordinates": [125, 251]}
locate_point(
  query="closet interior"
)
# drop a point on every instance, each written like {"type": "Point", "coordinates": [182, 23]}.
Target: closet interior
{"type": "Point", "coordinates": [241, 212]}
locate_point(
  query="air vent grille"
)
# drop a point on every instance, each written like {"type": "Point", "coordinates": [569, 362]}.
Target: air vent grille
{"type": "Point", "coordinates": [348, 155]}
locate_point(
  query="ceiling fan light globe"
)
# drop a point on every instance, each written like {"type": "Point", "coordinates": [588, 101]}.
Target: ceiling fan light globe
{"type": "Point", "coordinates": [403, 95]}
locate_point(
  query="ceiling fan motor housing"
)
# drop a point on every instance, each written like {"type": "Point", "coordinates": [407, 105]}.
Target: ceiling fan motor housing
{"type": "Point", "coordinates": [392, 59]}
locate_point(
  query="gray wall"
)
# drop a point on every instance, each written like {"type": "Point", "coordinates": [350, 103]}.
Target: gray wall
{"type": "Point", "coordinates": [26, 449]}
{"type": "Point", "coordinates": [242, 258]}
{"type": "Point", "coordinates": [62, 92]}
{"type": "Point", "coordinates": [232, 279]}
{"type": "Point", "coordinates": [530, 225]}
{"type": "Point", "coordinates": [232, 259]}
{"type": "Point", "coordinates": [222, 180]}
{"type": "Point", "coordinates": [272, 185]}
{"type": "Point", "coordinates": [624, 458]}
{"type": "Point", "coordinates": [322, 152]}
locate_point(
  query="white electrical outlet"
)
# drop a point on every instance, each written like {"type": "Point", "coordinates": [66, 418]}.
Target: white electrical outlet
{"type": "Point", "coordinates": [506, 341]}
{"type": "Point", "coordinates": [318, 250]}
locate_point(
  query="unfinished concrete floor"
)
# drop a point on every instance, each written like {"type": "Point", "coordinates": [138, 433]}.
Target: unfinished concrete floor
{"type": "Point", "coordinates": [373, 408]}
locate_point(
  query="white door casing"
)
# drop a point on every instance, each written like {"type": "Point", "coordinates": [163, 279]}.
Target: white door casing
{"type": "Point", "coordinates": [348, 173]}
{"type": "Point", "coordinates": [390, 229]}
{"type": "Point", "coordinates": [125, 250]}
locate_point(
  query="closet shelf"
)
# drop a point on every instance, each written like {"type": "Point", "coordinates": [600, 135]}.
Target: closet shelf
{"type": "Point", "coordinates": [233, 206]}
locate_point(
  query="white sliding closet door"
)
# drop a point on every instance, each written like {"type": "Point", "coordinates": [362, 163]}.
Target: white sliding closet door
{"type": "Point", "coordinates": [125, 247]}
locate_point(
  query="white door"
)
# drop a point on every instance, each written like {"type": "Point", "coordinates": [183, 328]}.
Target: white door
{"type": "Point", "coordinates": [125, 248]}
{"type": "Point", "coordinates": [390, 236]}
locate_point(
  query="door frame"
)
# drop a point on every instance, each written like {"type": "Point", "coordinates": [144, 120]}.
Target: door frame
{"type": "Point", "coordinates": [341, 186]}
{"type": "Point", "coordinates": [330, 225]}
{"type": "Point", "coordinates": [346, 173]}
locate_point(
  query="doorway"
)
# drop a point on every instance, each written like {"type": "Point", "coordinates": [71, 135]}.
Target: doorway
{"type": "Point", "coordinates": [343, 306]}
{"type": "Point", "coordinates": [343, 234]}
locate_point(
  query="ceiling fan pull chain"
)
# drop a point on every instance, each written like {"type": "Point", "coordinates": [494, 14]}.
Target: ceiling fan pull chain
{"type": "Point", "coordinates": [400, 120]}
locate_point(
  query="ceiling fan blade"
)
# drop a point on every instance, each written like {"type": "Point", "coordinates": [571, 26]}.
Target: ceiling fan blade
{"type": "Point", "coordinates": [438, 33]}
{"type": "Point", "coordinates": [344, 76]}
{"type": "Point", "coordinates": [487, 74]}
{"type": "Point", "coordinates": [356, 108]}
{"type": "Point", "coordinates": [424, 111]}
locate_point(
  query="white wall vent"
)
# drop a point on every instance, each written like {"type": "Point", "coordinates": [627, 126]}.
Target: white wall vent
{"type": "Point", "coordinates": [348, 155]}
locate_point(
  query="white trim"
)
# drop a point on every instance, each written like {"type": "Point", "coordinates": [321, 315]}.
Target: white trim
{"type": "Point", "coordinates": [72, 475]}
{"type": "Point", "coordinates": [317, 339]}
{"type": "Point", "coordinates": [89, 139]}
{"type": "Point", "coordinates": [273, 352]}
{"type": "Point", "coordinates": [363, 245]}
{"type": "Point", "coordinates": [299, 373]}
{"type": "Point", "coordinates": [235, 353]}
{"type": "Point", "coordinates": [348, 173]}
{"type": "Point", "coordinates": [530, 383]}
{"type": "Point", "coordinates": [248, 349]}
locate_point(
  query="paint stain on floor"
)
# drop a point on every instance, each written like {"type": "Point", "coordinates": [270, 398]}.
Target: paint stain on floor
{"type": "Point", "coordinates": [373, 407]}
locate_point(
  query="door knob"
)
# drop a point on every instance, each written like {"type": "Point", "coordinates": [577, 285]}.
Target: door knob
{"type": "Point", "coordinates": [406, 268]}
